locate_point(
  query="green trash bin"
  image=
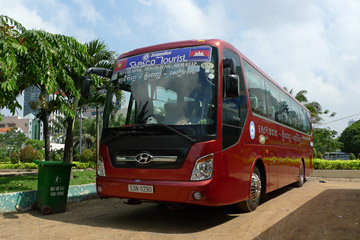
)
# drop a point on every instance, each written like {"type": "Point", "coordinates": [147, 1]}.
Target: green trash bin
{"type": "Point", "coordinates": [53, 185]}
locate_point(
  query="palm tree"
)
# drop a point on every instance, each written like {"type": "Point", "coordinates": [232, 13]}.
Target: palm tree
{"type": "Point", "coordinates": [88, 133]}
{"type": "Point", "coordinates": [314, 107]}
{"type": "Point", "coordinates": [99, 55]}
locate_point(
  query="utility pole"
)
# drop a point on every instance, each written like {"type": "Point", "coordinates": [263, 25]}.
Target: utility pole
{"type": "Point", "coordinates": [80, 132]}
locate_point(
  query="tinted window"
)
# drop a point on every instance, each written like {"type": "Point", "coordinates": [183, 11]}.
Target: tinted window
{"type": "Point", "coordinates": [285, 106]}
{"type": "Point", "coordinates": [273, 100]}
{"type": "Point", "coordinates": [256, 88]}
{"type": "Point", "coordinates": [268, 100]}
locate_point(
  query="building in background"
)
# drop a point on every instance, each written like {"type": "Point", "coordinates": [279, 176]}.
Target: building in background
{"type": "Point", "coordinates": [351, 122]}
{"type": "Point", "coordinates": [31, 94]}
{"type": "Point", "coordinates": [29, 125]}
{"type": "Point", "coordinates": [90, 112]}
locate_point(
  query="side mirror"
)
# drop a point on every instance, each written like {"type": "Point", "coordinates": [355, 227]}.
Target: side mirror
{"type": "Point", "coordinates": [103, 72]}
{"type": "Point", "coordinates": [232, 86]}
{"type": "Point", "coordinates": [230, 63]}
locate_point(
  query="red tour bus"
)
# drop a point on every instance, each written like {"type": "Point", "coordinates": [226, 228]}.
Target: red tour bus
{"type": "Point", "coordinates": [196, 122]}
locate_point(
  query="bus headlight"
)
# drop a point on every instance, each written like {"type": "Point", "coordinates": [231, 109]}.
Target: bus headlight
{"type": "Point", "coordinates": [100, 168]}
{"type": "Point", "coordinates": [203, 168]}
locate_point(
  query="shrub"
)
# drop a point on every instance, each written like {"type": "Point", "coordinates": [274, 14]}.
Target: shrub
{"type": "Point", "coordinates": [34, 166]}
{"type": "Point", "coordinates": [337, 164]}
{"type": "Point", "coordinates": [19, 166]}
{"type": "Point", "coordinates": [352, 156]}
{"type": "Point", "coordinates": [94, 155]}
{"type": "Point", "coordinates": [38, 155]}
{"type": "Point", "coordinates": [14, 158]}
{"type": "Point", "coordinates": [318, 155]}
{"type": "Point", "coordinates": [3, 154]}
{"type": "Point", "coordinates": [27, 154]}
{"type": "Point", "coordinates": [7, 159]}
{"type": "Point", "coordinates": [86, 156]}
{"type": "Point", "coordinates": [85, 165]}
{"type": "Point", "coordinates": [76, 157]}
{"type": "Point", "coordinates": [56, 155]}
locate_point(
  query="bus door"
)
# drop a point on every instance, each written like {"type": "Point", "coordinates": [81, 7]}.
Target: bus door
{"type": "Point", "coordinates": [234, 113]}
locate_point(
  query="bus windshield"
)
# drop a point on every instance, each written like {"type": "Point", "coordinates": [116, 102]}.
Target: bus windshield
{"type": "Point", "coordinates": [176, 88]}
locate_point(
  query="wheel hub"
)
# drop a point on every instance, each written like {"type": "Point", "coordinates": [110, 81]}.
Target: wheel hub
{"type": "Point", "coordinates": [255, 187]}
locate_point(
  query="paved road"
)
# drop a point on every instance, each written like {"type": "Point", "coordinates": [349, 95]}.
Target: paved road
{"type": "Point", "coordinates": [318, 210]}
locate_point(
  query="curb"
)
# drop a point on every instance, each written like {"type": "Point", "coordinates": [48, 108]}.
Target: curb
{"type": "Point", "coordinates": [336, 173]}
{"type": "Point", "coordinates": [23, 201]}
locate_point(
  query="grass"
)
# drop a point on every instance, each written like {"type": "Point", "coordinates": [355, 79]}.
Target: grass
{"type": "Point", "coordinates": [29, 182]}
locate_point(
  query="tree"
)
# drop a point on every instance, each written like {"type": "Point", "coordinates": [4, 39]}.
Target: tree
{"type": "Point", "coordinates": [314, 107]}
{"type": "Point", "coordinates": [88, 132]}
{"type": "Point", "coordinates": [12, 140]}
{"type": "Point", "coordinates": [325, 140]}
{"type": "Point", "coordinates": [100, 56]}
{"type": "Point", "coordinates": [27, 154]}
{"type": "Point", "coordinates": [350, 137]}
{"type": "Point", "coordinates": [11, 47]}
{"type": "Point", "coordinates": [46, 61]}
{"type": "Point", "coordinates": [35, 143]}
{"type": "Point", "coordinates": [51, 70]}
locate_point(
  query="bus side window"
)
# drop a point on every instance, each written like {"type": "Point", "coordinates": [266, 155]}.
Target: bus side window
{"type": "Point", "coordinates": [256, 88]}
{"type": "Point", "coordinates": [273, 99]}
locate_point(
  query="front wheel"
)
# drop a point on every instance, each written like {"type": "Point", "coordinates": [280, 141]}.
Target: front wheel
{"type": "Point", "coordinates": [255, 193]}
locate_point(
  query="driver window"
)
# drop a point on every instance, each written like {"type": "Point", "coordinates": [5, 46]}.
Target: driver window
{"type": "Point", "coordinates": [234, 110]}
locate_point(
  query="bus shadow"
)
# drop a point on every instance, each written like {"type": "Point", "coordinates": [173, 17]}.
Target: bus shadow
{"type": "Point", "coordinates": [333, 214]}
{"type": "Point", "coordinates": [276, 193]}
{"type": "Point", "coordinates": [148, 217]}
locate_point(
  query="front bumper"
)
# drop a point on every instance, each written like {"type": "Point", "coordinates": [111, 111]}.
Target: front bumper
{"type": "Point", "coordinates": [164, 191]}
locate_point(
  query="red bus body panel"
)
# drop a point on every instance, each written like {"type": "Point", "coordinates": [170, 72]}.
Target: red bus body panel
{"type": "Point", "coordinates": [280, 156]}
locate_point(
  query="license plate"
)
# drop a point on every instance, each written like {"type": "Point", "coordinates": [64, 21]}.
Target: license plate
{"type": "Point", "coordinates": [141, 188]}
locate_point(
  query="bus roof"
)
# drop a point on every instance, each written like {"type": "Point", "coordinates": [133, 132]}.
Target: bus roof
{"type": "Point", "coordinates": [211, 42]}
{"type": "Point", "coordinates": [170, 45]}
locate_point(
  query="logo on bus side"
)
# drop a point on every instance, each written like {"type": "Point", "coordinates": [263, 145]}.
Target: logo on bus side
{"type": "Point", "coordinates": [262, 139]}
{"type": "Point", "coordinates": [252, 130]}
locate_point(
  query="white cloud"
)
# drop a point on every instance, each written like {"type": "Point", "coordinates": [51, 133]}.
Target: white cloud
{"type": "Point", "coordinates": [145, 2]}
{"type": "Point", "coordinates": [187, 20]}
{"type": "Point", "coordinates": [317, 52]}
{"type": "Point", "coordinates": [85, 35]}
{"type": "Point", "coordinates": [88, 11]}
{"type": "Point", "coordinates": [30, 19]}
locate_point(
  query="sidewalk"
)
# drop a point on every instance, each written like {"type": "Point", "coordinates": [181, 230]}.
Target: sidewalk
{"type": "Point", "coordinates": [23, 201]}
{"type": "Point", "coordinates": [14, 172]}
{"type": "Point", "coordinates": [336, 173]}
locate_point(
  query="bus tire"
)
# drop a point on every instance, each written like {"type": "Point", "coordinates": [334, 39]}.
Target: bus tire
{"type": "Point", "coordinates": [301, 181]}
{"type": "Point", "coordinates": [255, 193]}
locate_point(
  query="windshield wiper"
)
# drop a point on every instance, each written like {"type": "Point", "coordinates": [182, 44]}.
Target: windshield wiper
{"type": "Point", "coordinates": [171, 129]}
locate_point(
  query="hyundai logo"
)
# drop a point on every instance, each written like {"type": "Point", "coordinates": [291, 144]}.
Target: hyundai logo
{"type": "Point", "coordinates": [143, 158]}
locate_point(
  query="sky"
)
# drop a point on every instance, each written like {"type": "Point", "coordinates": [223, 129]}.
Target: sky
{"type": "Point", "coordinates": [302, 45]}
